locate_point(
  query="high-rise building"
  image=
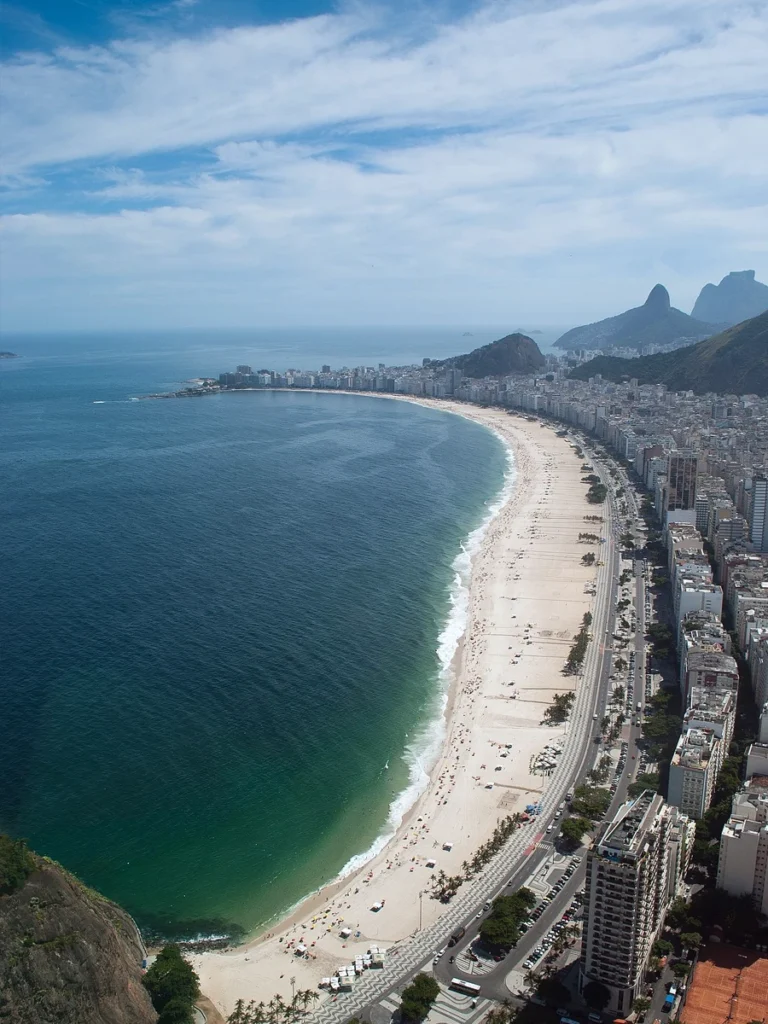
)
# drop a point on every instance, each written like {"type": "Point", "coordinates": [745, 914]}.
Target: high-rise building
{"type": "Point", "coordinates": [454, 380]}
{"type": "Point", "coordinates": [244, 369]}
{"type": "Point", "coordinates": [682, 468]}
{"type": "Point", "coordinates": [633, 871]}
{"type": "Point", "coordinates": [758, 518]}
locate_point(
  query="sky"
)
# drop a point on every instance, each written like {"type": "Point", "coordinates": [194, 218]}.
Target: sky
{"type": "Point", "coordinates": [235, 163]}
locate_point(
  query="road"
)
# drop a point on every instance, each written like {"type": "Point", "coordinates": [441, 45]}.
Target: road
{"type": "Point", "coordinates": [494, 984]}
{"type": "Point", "coordinates": [515, 862]}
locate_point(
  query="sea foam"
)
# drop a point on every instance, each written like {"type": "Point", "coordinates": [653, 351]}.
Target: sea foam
{"type": "Point", "coordinates": [422, 753]}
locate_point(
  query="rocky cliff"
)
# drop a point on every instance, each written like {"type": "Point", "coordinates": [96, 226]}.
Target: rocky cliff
{"type": "Point", "coordinates": [738, 297]}
{"type": "Point", "coordinates": [67, 955]}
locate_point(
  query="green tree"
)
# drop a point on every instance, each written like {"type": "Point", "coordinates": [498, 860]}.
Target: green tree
{"type": "Point", "coordinates": [572, 831]}
{"type": "Point", "coordinates": [171, 981]}
{"type": "Point", "coordinates": [662, 947]}
{"type": "Point", "coordinates": [691, 939]}
{"type": "Point", "coordinates": [503, 1014]}
{"type": "Point", "coordinates": [591, 801]}
{"type": "Point", "coordinates": [16, 864]}
{"type": "Point", "coordinates": [681, 970]}
{"type": "Point", "coordinates": [418, 997]}
{"type": "Point", "coordinates": [641, 1004]}
{"type": "Point", "coordinates": [553, 991]}
{"type": "Point", "coordinates": [596, 995]}
{"type": "Point", "coordinates": [501, 929]}
{"type": "Point", "coordinates": [176, 1011]}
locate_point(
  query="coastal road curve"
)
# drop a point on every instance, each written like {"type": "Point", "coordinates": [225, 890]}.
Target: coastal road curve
{"type": "Point", "coordinates": [579, 751]}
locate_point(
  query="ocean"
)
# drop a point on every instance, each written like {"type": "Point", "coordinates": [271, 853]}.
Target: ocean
{"type": "Point", "coordinates": [227, 621]}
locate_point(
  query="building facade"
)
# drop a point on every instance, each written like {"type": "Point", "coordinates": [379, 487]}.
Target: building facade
{"type": "Point", "coordinates": [633, 871]}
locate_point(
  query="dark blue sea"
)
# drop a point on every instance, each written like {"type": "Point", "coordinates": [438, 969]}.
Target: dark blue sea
{"type": "Point", "coordinates": [225, 621]}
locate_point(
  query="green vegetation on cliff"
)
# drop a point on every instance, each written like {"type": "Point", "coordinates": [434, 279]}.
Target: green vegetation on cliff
{"type": "Point", "coordinates": [67, 954]}
{"type": "Point", "coordinates": [16, 864]}
{"type": "Point", "coordinates": [516, 353]}
{"type": "Point", "coordinates": [733, 362]}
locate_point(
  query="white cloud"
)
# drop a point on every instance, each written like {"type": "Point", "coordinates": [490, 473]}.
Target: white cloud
{"type": "Point", "coordinates": [578, 151]}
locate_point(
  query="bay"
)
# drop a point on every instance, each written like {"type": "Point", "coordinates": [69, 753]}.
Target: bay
{"type": "Point", "coordinates": [221, 617]}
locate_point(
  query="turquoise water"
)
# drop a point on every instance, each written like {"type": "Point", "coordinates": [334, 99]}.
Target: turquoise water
{"type": "Point", "coordinates": [221, 624]}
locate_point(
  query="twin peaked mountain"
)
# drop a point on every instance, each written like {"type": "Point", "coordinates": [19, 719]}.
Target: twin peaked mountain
{"type": "Point", "coordinates": [656, 322]}
{"type": "Point", "coordinates": [738, 297]}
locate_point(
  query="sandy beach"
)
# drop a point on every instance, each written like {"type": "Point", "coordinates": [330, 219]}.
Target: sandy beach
{"type": "Point", "coordinates": [527, 599]}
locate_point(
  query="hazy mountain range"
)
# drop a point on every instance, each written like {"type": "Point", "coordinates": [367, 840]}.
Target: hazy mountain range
{"type": "Point", "coordinates": [656, 322]}
{"type": "Point", "coordinates": [732, 362]}
{"type": "Point", "coordinates": [738, 297]}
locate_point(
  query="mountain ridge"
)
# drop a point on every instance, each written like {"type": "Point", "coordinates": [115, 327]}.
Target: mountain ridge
{"type": "Point", "coordinates": [732, 362]}
{"type": "Point", "coordinates": [738, 297]}
{"type": "Point", "coordinates": [655, 322]}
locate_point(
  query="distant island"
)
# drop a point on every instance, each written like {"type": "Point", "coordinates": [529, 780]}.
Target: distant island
{"type": "Point", "coordinates": [8, 355]}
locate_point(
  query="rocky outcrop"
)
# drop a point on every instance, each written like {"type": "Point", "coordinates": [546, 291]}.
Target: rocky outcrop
{"type": "Point", "coordinates": [738, 297]}
{"type": "Point", "coordinates": [656, 322]}
{"type": "Point", "coordinates": [515, 353]}
{"type": "Point", "coordinates": [67, 955]}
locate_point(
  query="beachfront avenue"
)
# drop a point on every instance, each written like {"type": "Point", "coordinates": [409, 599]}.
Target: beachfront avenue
{"type": "Point", "coordinates": [520, 854]}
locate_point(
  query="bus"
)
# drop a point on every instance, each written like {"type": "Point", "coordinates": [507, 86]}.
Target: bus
{"type": "Point", "coordinates": [465, 986]}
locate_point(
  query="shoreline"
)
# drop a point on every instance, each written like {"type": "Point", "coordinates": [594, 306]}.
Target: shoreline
{"type": "Point", "coordinates": [469, 721]}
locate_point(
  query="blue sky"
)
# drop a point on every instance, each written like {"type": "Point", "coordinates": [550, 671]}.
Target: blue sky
{"type": "Point", "coordinates": [255, 162]}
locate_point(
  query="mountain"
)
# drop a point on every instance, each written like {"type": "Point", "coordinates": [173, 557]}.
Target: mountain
{"type": "Point", "coordinates": [738, 297]}
{"type": "Point", "coordinates": [515, 353]}
{"type": "Point", "coordinates": [67, 955]}
{"type": "Point", "coordinates": [655, 322]}
{"type": "Point", "coordinates": [734, 362]}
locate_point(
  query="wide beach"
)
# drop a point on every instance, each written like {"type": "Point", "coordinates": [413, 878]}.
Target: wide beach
{"type": "Point", "coordinates": [527, 598]}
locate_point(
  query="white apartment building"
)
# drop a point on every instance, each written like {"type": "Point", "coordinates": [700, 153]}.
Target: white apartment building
{"type": "Point", "coordinates": [708, 670]}
{"type": "Point", "coordinates": [757, 760]}
{"type": "Point", "coordinates": [693, 771]}
{"type": "Point", "coordinates": [758, 519]}
{"type": "Point", "coordinates": [693, 596]}
{"type": "Point", "coordinates": [743, 859]}
{"type": "Point", "coordinates": [763, 734]}
{"type": "Point", "coordinates": [633, 871]}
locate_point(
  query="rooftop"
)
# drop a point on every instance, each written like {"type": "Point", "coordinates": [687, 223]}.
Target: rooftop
{"type": "Point", "coordinates": [625, 836]}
